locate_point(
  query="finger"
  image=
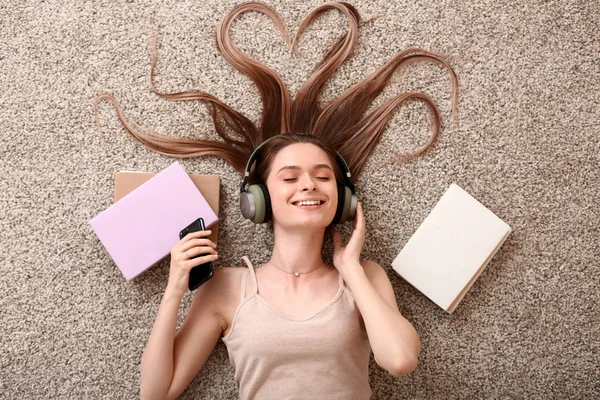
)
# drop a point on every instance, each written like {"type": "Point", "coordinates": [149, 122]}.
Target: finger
{"type": "Point", "coordinates": [201, 260]}
{"type": "Point", "coordinates": [198, 242]}
{"type": "Point", "coordinates": [199, 250]}
{"type": "Point", "coordinates": [358, 235]}
{"type": "Point", "coordinates": [359, 218]}
{"type": "Point", "coordinates": [197, 234]}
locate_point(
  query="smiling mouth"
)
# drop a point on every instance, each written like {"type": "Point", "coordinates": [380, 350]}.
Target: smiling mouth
{"type": "Point", "coordinates": [308, 203]}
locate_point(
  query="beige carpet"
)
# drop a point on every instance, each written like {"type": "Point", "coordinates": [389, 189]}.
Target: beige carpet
{"type": "Point", "coordinates": [527, 147]}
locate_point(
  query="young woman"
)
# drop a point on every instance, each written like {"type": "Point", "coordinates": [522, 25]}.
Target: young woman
{"type": "Point", "coordinates": [295, 327]}
{"type": "Point", "coordinates": [295, 322]}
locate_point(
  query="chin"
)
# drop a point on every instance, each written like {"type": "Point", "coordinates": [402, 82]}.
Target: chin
{"type": "Point", "coordinates": [306, 223]}
{"type": "Point", "coordinates": [292, 218]}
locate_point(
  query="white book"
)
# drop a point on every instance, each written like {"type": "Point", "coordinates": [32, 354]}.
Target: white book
{"type": "Point", "coordinates": [451, 248]}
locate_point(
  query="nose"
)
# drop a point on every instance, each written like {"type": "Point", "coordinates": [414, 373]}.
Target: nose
{"type": "Point", "coordinates": [308, 184]}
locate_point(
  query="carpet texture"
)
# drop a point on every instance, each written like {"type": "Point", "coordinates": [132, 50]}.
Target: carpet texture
{"type": "Point", "coordinates": [527, 146]}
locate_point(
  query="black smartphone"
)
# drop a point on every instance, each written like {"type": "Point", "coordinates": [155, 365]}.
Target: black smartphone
{"type": "Point", "coordinates": [203, 272]}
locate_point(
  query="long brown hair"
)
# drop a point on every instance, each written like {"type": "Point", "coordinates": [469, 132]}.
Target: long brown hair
{"type": "Point", "coordinates": [342, 123]}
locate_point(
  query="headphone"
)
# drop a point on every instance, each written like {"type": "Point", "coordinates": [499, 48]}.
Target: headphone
{"type": "Point", "coordinates": [255, 201]}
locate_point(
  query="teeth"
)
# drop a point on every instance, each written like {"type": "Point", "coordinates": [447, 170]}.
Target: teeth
{"type": "Point", "coordinates": [309, 203]}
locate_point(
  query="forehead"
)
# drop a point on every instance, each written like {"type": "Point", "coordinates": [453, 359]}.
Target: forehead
{"type": "Point", "coordinates": [300, 154]}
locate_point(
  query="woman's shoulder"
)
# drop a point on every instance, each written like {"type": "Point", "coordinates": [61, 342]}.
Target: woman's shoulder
{"type": "Point", "coordinates": [225, 279]}
{"type": "Point", "coordinates": [225, 292]}
{"type": "Point", "coordinates": [224, 286]}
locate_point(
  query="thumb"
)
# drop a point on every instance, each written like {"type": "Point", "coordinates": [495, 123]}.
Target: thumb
{"type": "Point", "coordinates": [337, 240]}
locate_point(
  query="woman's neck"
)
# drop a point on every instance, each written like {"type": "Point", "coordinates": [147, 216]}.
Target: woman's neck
{"type": "Point", "coordinates": [297, 251]}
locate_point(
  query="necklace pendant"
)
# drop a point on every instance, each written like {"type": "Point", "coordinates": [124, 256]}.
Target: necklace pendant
{"type": "Point", "coordinates": [297, 273]}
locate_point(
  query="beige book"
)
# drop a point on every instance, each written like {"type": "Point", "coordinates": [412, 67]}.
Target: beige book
{"type": "Point", "coordinates": [451, 247]}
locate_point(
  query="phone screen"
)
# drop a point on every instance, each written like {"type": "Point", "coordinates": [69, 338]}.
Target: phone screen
{"type": "Point", "coordinates": [203, 272]}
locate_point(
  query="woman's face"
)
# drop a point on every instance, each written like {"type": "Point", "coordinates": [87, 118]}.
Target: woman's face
{"type": "Point", "coordinates": [302, 172]}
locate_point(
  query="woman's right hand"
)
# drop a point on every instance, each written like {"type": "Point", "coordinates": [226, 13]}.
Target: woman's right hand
{"type": "Point", "coordinates": [182, 260]}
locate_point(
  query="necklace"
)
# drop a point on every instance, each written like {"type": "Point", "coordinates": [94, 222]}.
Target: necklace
{"type": "Point", "coordinates": [297, 274]}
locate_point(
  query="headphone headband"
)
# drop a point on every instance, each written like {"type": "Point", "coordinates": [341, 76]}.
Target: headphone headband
{"type": "Point", "coordinates": [341, 162]}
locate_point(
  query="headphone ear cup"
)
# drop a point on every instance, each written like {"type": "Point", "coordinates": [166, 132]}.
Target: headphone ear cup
{"type": "Point", "coordinates": [255, 203]}
{"type": "Point", "coordinates": [252, 203]}
{"type": "Point", "coordinates": [340, 204]}
{"type": "Point", "coordinates": [346, 207]}
{"type": "Point", "coordinates": [266, 197]}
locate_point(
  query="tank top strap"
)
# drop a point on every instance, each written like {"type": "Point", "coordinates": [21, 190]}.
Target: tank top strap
{"type": "Point", "coordinates": [245, 278]}
{"type": "Point", "coordinates": [243, 285]}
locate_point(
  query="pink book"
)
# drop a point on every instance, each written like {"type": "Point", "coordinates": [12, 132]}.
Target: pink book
{"type": "Point", "coordinates": [139, 230]}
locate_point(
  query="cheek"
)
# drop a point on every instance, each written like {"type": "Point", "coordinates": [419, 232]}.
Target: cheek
{"type": "Point", "coordinates": [332, 193]}
{"type": "Point", "coordinates": [280, 193]}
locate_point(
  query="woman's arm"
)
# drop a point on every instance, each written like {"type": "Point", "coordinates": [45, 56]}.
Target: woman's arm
{"type": "Point", "coordinates": [395, 342]}
{"type": "Point", "coordinates": [159, 360]}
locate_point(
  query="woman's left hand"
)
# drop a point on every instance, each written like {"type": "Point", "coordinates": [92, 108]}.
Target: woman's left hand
{"type": "Point", "coordinates": [349, 255]}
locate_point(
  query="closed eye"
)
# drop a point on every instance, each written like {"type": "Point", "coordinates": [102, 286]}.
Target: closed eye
{"type": "Point", "coordinates": [323, 178]}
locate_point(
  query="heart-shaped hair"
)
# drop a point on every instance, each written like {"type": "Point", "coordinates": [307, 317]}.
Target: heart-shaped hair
{"type": "Point", "coordinates": [343, 123]}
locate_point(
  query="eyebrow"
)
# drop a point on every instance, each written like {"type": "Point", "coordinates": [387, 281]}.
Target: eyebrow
{"type": "Point", "coordinates": [295, 167]}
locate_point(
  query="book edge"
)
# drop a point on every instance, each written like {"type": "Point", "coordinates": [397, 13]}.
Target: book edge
{"type": "Point", "coordinates": [450, 309]}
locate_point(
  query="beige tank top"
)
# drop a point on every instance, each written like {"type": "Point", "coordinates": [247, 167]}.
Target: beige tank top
{"type": "Point", "coordinates": [325, 356]}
